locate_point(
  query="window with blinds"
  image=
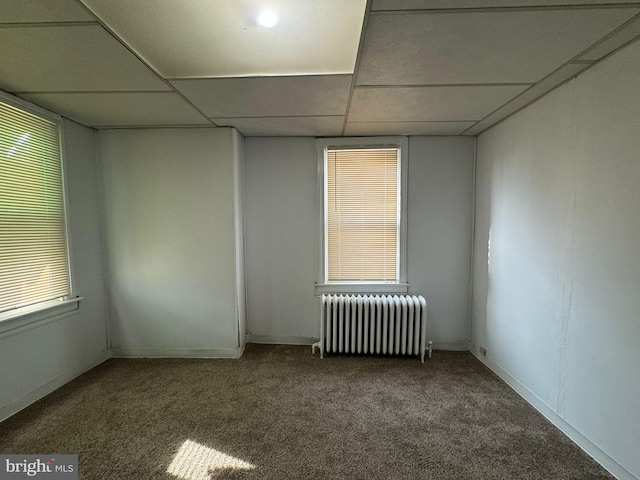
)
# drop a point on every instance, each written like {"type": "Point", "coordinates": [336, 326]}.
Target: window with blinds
{"type": "Point", "coordinates": [362, 214]}
{"type": "Point", "coordinates": [34, 265]}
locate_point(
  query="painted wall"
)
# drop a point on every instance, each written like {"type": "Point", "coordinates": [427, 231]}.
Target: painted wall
{"type": "Point", "coordinates": [238, 220]}
{"type": "Point", "coordinates": [280, 225]}
{"type": "Point", "coordinates": [557, 264]}
{"type": "Point", "coordinates": [43, 356]}
{"type": "Point", "coordinates": [440, 219]}
{"type": "Point", "coordinates": [170, 240]}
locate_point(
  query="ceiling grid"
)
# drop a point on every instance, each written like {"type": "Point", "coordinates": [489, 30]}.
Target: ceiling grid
{"type": "Point", "coordinates": [385, 67]}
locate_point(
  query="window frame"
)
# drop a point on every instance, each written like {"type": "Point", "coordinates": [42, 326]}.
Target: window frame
{"type": "Point", "coordinates": [19, 318]}
{"type": "Point", "coordinates": [323, 286]}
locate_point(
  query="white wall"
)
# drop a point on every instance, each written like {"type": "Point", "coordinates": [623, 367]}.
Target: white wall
{"type": "Point", "coordinates": [281, 182]}
{"type": "Point", "coordinates": [440, 218]}
{"type": "Point", "coordinates": [280, 226]}
{"type": "Point", "coordinates": [170, 240]}
{"type": "Point", "coordinates": [43, 356]}
{"type": "Point", "coordinates": [557, 264]}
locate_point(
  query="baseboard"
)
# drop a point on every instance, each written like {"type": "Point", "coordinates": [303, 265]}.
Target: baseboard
{"type": "Point", "coordinates": [176, 352]}
{"type": "Point", "coordinates": [288, 340]}
{"type": "Point", "coordinates": [451, 346]}
{"type": "Point", "coordinates": [616, 469]}
{"type": "Point", "coordinates": [23, 402]}
{"type": "Point", "coordinates": [281, 339]}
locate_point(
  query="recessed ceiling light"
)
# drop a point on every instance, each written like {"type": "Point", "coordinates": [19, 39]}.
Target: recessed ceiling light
{"type": "Point", "coordinates": [267, 18]}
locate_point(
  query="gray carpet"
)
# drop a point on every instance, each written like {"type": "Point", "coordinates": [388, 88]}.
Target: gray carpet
{"type": "Point", "coordinates": [280, 413]}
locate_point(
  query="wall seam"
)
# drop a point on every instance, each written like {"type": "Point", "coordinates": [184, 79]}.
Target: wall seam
{"type": "Point", "coordinates": [102, 220]}
{"type": "Point", "coordinates": [473, 236]}
{"type": "Point", "coordinates": [566, 287]}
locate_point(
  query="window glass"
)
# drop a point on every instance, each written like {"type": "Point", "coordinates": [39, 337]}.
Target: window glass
{"type": "Point", "coordinates": [34, 264]}
{"type": "Point", "coordinates": [363, 218]}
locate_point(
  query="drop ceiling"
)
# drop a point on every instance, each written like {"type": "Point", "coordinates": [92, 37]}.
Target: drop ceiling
{"type": "Point", "coordinates": [327, 68]}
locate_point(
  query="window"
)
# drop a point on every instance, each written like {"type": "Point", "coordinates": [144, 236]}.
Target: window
{"type": "Point", "coordinates": [363, 215]}
{"type": "Point", "coordinates": [34, 264]}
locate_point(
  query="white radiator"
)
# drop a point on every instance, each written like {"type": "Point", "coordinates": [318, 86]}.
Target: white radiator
{"type": "Point", "coordinates": [380, 324]}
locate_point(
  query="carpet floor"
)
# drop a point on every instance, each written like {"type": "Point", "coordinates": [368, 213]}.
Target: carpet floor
{"type": "Point", "coordinates": [281, 413]}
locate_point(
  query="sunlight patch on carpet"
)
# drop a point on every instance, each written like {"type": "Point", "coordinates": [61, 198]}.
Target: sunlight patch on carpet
{"type": "Point", "coordinates": [197, 462]}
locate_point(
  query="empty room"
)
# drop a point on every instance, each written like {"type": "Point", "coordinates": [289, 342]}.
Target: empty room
{"type": "Point", "coordinates": [287, 239]}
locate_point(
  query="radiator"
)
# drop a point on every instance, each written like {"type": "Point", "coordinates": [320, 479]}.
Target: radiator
{"type": "Point", "coordinates": [380, 324]}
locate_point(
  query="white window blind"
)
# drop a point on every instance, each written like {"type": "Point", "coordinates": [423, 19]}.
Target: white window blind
{"type": "Point", "coordinates": [34, 266]}
{"type": "Point", "coordinates": [362, 214]}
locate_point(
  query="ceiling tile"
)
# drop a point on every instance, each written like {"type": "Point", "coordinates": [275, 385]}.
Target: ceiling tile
{"type": "Point", "coordinates": [622, 36]}
{"type": "Point", "coordinates": [36, 11]}
{"type": "Point", "coordinates": [422, 104]}
{"type": "Point", "coordinates": [221, 38]}
{"type": "Point", "coordinates": [120, 109]}
{"type": "Point", "coordinates": [70, 58]}
{"type": "Point", "coordinates": [528, 96]}
{"type": "Point", "coordinates": [406, 128]}
{"type": "Point", "coordinates": [285, 126]}
{"type": "Point", "coordinates": [520, 46]}
{"type": "Point", "coordinates": [318, 95]}
{"type": "Point", "coordinates": [451, 4]}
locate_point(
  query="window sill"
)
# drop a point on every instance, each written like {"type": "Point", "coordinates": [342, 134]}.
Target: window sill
{"type": "Point", "coordinates": [363, 288]}
{"type": "Point", "coordinates": [29, 316]}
